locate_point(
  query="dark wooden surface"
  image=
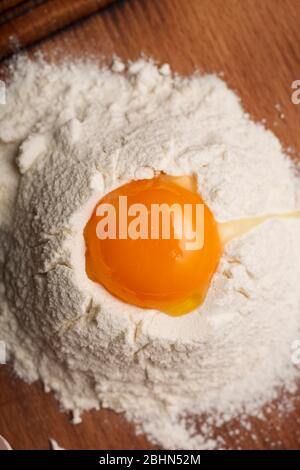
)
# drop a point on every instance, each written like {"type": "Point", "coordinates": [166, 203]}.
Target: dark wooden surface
{"type": "Point", "coordinates": [257, 45]}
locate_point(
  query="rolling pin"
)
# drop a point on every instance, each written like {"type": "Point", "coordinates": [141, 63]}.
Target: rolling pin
{"type": "Point", "coordinates": [24, 23]}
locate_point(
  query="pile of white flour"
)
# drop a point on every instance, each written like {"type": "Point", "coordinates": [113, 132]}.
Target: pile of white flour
{"type": "Point", "coordinates": [71, 133]}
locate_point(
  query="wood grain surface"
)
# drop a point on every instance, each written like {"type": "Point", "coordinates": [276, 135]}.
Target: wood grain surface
{"type": "Point", "coordinates": [256, 44]}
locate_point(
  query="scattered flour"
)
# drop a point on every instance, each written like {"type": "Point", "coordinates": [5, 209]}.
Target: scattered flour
{"type": "Point", "coordinates": [69, 134]}
{"type": "Point", "coordinates": [55, 445]}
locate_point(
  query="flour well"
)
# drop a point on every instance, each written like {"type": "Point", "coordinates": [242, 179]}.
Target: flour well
{"type": "Point", "coordinates": [73, 132]}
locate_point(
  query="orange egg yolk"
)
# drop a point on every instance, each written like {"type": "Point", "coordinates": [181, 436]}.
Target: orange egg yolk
{"type": "Point", "coordinates": [160, 273]}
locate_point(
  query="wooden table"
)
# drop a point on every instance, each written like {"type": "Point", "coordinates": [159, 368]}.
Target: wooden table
{"type": "Point", "coordinates": [256, 44]}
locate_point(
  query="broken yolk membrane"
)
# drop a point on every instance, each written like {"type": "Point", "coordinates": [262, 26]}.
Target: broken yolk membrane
{"type": "Point", "coordinates": [140, 261]}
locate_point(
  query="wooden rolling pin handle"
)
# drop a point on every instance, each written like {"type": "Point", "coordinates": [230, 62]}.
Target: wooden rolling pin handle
{"type": "Point", "coordinates": [43, 19]}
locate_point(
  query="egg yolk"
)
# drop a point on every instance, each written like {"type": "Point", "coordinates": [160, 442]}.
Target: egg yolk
{"type": "Point", "coordinates": [155, 273]}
